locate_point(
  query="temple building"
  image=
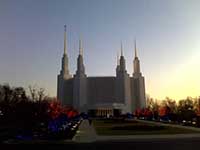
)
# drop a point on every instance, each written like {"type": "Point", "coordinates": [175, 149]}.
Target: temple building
{"type": "Point", "coordinates": [101, 96]}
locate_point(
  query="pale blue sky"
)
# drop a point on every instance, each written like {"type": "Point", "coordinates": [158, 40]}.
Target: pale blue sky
{"type": "Point", "coordinates": [167, 33]}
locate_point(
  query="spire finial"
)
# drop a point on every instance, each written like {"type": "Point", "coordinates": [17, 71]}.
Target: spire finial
{"type": "Point", "coordinates": [135, 49]}
{"type": "Point", "coordinates": [65, 28]}
{"type": "Point", "coordinates": [121, 49]}
{"type": "Point", "coordinates": [65, 39]}
{"type": "Point", "coordinates": [80, 47]}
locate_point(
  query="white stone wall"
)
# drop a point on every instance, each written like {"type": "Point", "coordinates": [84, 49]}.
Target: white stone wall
{"type": "Point", "coordinates": [142, 92]}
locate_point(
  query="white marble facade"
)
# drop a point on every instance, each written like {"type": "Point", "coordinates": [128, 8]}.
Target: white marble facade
{"type": "Point", "coordinates": [93, 93]}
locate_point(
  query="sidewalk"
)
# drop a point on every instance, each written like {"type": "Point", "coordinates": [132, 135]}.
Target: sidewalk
{"type": "Point", "coordinates": [86, 133]}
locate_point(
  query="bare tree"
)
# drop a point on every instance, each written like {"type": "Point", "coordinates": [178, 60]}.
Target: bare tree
{"type": "Point", "coordinates": [41, 94]}
{"type": "Point", "coordinates": [37, 94]}
{"type": "Point", "coordinates": [33, 92]}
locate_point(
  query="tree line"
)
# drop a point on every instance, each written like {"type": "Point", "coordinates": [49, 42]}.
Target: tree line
{"type": "Point", "coordinates": [21, 112]}
{"type": "Point", "coordinates": [187, 109]}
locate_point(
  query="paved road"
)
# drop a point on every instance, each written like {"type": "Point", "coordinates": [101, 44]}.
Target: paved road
{"type": "Point", "coordinates": [164, 144]}
{"type": "Point", "coordinates": [155, 144]}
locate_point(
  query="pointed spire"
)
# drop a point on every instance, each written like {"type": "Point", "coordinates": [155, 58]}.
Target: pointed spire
{"type": "Point", "coordinates": [65, 39]}
{"type": "Point", "coordinates": [80, 64]}
{"type": "Point", "coordinates": [136, 63]}
{"type": "Point", "coordinates": [80, 47]}
{"type": "Point", "coordinates": [121, 49]}
{"type": "Point", "coordinates": [118, 62]}
{"type": "Point", "coordinates": [135, 49]}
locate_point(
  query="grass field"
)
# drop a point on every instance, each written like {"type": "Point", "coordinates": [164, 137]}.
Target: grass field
{"type": "Point", "coordinates": [133, 127]}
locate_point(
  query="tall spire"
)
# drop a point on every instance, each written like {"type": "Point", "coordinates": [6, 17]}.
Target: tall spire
{"type": "Point", "coordinates": [135, 49]}
{"type": "Point", "coordinates": [80, 47]}
{"type": "Point", "coordinates": [80, 65]}
{"type": "Point", "coordinates": [121, 49]}
{"type": "Point", "coordinates": [122, 65]}
{"type": "Point", "coordinates": [65, 68]}
{"type": "Point", "coordinates": [136, 63]}
{"type": "Point", "coordinates": [65, 39]}
{"type": "Point", "coordinates": [118, 59]}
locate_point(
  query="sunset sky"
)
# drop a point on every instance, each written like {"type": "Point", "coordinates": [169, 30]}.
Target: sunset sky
{"type": "Point", "coordinates": [167, 33]}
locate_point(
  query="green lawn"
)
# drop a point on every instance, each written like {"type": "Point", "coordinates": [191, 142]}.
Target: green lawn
{"type": "Point", "coordinates": [132, 127]}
